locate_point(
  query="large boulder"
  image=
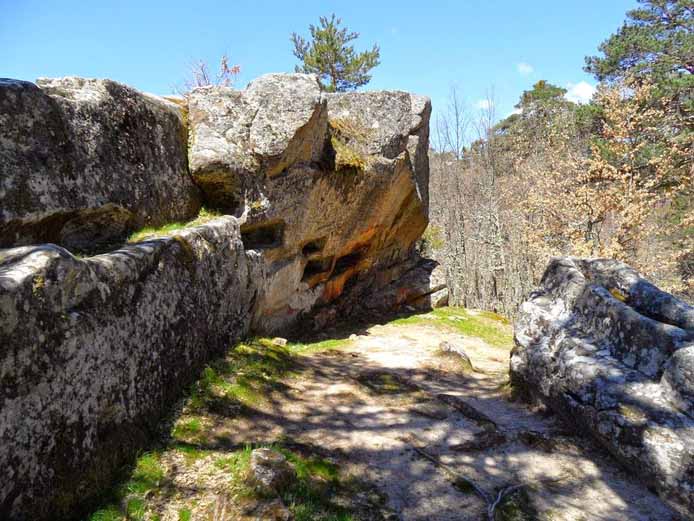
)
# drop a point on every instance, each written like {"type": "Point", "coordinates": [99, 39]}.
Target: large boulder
{"type": "Point", "coordinates": [614, 356]}
{"type": "Point", "coordinates": [332, 187]}
{"type": "Point", "coordinates": [83, 162]}
{"type": "Point", "coordinates": [93, 351]}
{"type": "Point", "coordinates": [278, 120]}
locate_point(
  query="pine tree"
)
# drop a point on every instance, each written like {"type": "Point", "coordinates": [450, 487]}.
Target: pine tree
{"type": "Point", "coordinates": [656, 41]}
{"type": "Point", "coordinates": [328, 54]}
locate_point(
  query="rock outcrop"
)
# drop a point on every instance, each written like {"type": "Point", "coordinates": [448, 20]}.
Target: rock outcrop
{"type": "Point", "coordinates": [84, 162]}
{"type": "Point", "coordinates": [332, 187]}
{"type": "Point", "coordinates": [93, 350]}
{"type": "Point", "coordinates": [614, 356]}
{"type": "Point", "coordinates": [325, 196]}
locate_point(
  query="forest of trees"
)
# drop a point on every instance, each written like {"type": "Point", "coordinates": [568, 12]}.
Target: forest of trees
{"type": "Point", "coordinates": [612, 178]}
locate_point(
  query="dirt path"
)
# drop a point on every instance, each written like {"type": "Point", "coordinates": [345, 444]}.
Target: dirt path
{"type": "Point", "coordinates": [392, 408]}
{"type": "Point", "coordinates": [380, 399]}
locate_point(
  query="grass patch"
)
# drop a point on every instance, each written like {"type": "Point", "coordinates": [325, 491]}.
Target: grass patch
{"type": "Point", "coordinates": [147, 476]}
{"type": "Point", "coordinates": [188, 429]}
{"type": "Point", "coordinates": [315, 493]}
{"type": "Point", "coordinates": [191, 453]}
{"type": "Point", "coordinates": [110, 513]}
{"type": "Point", "coordinates": [309, 496]}
{"type": "Point", "coordinates": [205, 215]}
{"type": "Point", "coordinates": [321, 491]}
{"type": "Point", "coordinates": [250, 372]}
{"type": "Point", "coordinates": [238, 465]}
{"type": "Point", "coordinates": [244, 378]}
{"type": "Point", "coordinates": [485, 325]}
{"type": "Point", "coordinates": [383, 383]}
{"type": "Point", "coordinates": [317, 347]}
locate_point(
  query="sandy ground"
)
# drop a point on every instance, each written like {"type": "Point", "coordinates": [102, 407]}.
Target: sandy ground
{"type": "Point", "coordinates": [400, 413]}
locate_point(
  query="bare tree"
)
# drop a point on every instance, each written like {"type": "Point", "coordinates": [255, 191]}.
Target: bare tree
{"type": "Point", "coordinates": [199, 75]}
{"type": "Point", "coordinates": [453, 125]}
{"type": "Point", "coordinates": [483, 253]}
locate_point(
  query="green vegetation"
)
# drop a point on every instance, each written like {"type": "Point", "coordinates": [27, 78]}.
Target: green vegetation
{"type": "Point", "coordinates": [318, 484]}
{"type": "Point", "coordinates": [485, 325]}
{"type": "Point", "coordinates": [320, 346]}
{"type": "Point", "coordinates": [347, 137]}
{"type": "Point", "coordinates": [542, 91]}
{"type": "Point", "coordinates": [110, 513]}
{"type": "Point", "coordinates": [149, 232]}
{"type": "Point", "coordinates": [309, 497]}
{"type": "Point", "coordinates": [319, 491]}
{"type": "Point", "coordinates": [329, 56]}
{"type": "Point", "coordinates": [656, 42]}
{"type": "Point", "coordinates": [245, 377]}
{"type": "Point", "coordinates": [187, 429]}
{"type": "Point", "coordinates": [147, 478]}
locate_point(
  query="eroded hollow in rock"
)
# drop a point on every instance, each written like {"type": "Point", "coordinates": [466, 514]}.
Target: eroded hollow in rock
{"type": "Point", "coordinates": [221, 188]}
{"type": "Point", "coordinates": [314, 246]}
{"type": "Point", "coordinates": [351, 260]}
{"type": "Point", "coordinates": [263, 236]}
{"type": "Point", "coordinates": [84, 231]}
{"type": "Point", "coordinates": [317, 269]}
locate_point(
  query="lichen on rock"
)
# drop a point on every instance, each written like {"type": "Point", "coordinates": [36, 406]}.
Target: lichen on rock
{"type": "Point", "coordinates": [618, 368]}
{"type": "Point", "coordinates": [86, 161]}
{"type": "Point", "coordinates": [95, 349]}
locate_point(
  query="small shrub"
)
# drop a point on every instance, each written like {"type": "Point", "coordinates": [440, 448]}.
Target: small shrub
{"type": "Point", "coordinates": [347, 137]}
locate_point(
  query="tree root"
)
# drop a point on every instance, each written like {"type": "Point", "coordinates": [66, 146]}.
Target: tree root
{"type": "Point", "coordinates": [491, 502]}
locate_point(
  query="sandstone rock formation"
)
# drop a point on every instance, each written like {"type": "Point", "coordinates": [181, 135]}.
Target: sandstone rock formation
{"type": "Point", "coordinates": [614, 356]}
{"type": "Point", "coordinates": [332, 187]}
{"type": "Point", "coordinates": [326, 196]}
{"type": "Point", "coordinates": [83, 162]}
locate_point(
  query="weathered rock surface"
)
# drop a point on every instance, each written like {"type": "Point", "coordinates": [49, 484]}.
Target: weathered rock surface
{"type": "Point", "coordinates": [93, 351]}
{"type": "Point", "coordinates": [614, 355]}
{"type": "Point", "coordinates": [332, 187]}
{"type": "Point", "coordinates": [237, 137]}
{"type": "Point", "coordinates": [83, 162]}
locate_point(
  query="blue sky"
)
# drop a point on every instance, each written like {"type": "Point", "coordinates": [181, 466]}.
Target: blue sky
{"type": "Point", "coordinates": [502, 46]}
